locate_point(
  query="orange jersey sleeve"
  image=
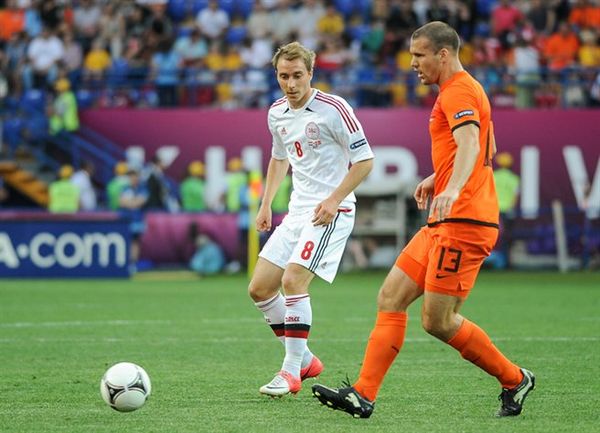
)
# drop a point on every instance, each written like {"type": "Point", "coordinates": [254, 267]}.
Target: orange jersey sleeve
{"type": "Point", "coordinates": [462, 101]}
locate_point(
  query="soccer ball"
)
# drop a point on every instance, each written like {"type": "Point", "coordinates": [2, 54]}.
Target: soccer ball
{"type": "Point", "coordinates": [125, 386]}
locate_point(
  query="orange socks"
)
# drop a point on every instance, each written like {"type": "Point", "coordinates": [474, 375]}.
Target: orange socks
{"type": "Point", "coordinates": [384, 344]}
{"type": "Point", "coordinates": [475, 346]}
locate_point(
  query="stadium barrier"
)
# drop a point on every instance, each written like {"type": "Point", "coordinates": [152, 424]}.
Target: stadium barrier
{"type": "Point", "coordinates": [41, 245]}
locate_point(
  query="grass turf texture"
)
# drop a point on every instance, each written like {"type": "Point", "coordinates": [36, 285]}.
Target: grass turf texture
{"type": "Point", "coordinates": [207, 352]}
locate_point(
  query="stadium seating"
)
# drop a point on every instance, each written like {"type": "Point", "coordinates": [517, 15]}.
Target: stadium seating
{"type": "Point", "coordinates": [178, 9]}
{"type": "Point", "coordinates": [33, 101]}
{"type": "Point", "coordinates": [11, 132]}
{"type": "Point", "coordinates": [228, 6]}
{"type": "Point", "coordinates": [198, 5]}
{"type": "Point", "coordinates": [244, 7]}
{"type": "Point", "coordinates": [236, 34]}
{"type": "Point", "coordinates": [85, 98]}
{"type": "Point", "coordinates": [359, 32]}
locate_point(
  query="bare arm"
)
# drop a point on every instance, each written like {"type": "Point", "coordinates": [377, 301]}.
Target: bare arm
{"type": "Point", "coordinates": [277, 170]}
{"type": "Point", "coordinates": [327, 209]}
{"type": "Point", "coordinates": [467, 141]}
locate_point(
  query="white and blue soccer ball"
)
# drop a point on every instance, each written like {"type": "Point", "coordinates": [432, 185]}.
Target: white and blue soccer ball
{"type": "Point", "coordinates": [125, 386]}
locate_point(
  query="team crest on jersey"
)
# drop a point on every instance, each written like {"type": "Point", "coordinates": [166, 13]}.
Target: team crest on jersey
{"type": "Point", "coordinates": [463, 114]}
{"type": "Point", "coordinates": [283, 132]}
{"type": "Point", "coordinates": [312, 131]}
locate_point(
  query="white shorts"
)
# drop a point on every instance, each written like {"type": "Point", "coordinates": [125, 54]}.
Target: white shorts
{"type": "Point", "coordinates": [319, 249]}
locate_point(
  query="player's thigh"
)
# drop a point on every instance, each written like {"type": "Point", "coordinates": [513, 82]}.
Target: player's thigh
{"type": "Point", "coordinates": [398, 291]}
{"type": "Point", "coordinates": [320, 248]}
{"type": "Point", "coordinates": [414, 258]}
{"type": "Point", "coordinates": [266, 280]}
{"type": "Point", "coordinates": [296, 279]}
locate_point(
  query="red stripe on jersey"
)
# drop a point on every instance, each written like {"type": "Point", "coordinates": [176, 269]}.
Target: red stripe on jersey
{"type": "Point", "coordinates": [344, 210]}
{"type": "Point", "coordinates": [296, 333]}
{"type": "Point", "coordinates": [350, 123]}
{"type": "Point", "coordinates": [278, 102]}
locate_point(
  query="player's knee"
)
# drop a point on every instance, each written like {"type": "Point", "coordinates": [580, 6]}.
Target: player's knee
{"type": "Point", "coordinates": [391, 298]}
{"type": "Point", "coordinates": [291, 284]}
{"type": "Point", "coordinates": [258, 292]}
{"type": "Point", "coordinates": [435, 325]}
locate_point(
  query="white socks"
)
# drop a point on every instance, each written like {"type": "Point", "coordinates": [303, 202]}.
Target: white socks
{"type": "Point", "coordinates": [274, 311]}
{"type": "Point", "coordinates": [298, 318]}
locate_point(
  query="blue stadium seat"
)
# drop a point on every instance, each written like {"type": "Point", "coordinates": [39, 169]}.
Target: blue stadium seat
{"type": "Point", "coordinates": [228, 6]}
{"type": "Point", "coordinates": [244, 7]}
{"type": "Point", "coordinates": [36, 127]}
{"type": "Point", "coordinates": [345, 7]}
{"type": "Point", "coordinates": [363, 7]}
{"type": "Point", "coordinates": [483, 29]}
{"type": "Point", "coordinates": [485, 7]}
{"type": "Point", "coordinates": [359, 32]}
{"type": "Point", "coordinates": [11, 104]}
{"type": "Point", "coordinates": [11, 131]}
{"type": "Point", "coordinates": [150, 97]}
{"type": "Point", "coordinates": [198, 5]}
{"type": "Point", "coordinates": [177, 9]}
{"type": "Point", "coordinates": [183, 32]}
{"type": "Point", "coordinates": [33, 101]}
{"type": "Point", "coordinates": [85, 98]}
{"type": "Point", "coordinates": [236, 34]}
{"type": "Point", "coordinates": [118, 73]}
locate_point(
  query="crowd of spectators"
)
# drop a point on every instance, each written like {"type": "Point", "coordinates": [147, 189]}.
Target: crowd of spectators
{"type": "Point", "coordinates": [538, 53]}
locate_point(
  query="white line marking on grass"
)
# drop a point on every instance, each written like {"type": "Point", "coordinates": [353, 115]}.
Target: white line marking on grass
{"type": "Point", "coordinates": [82, 323]}
{"type": "Point", "coordinates": [227, 340]}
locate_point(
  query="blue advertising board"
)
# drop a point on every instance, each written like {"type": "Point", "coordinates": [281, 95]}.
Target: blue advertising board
{"type": "Point", "coordinates": [73, 248]}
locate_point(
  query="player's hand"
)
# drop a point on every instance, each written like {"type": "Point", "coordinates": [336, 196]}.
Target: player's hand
{"type": "Point", "coordinates": [442, 204]}
{"type": "Point", "coordinates": [264, 219]}
{"type": "Point", "coordinates": [325, 212]}
{"type": "Point", "coordinates": [423, 191]}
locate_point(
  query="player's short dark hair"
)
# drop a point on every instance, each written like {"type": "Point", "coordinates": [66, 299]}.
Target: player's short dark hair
{"type": "Point", "coordinates": [440, 34]}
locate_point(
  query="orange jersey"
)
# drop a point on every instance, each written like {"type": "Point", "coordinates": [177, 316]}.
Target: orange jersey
{"type": "Point", "coordinates": [463, 101]}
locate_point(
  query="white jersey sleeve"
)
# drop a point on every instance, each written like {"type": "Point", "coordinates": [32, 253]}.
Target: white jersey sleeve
{"type": "Point", "coordinates": [349, 133]}
{"type": "Point", "coordinates": [278, 150]}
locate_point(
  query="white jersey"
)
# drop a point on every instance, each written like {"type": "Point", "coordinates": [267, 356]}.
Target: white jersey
{"type": "Point", "coordinates": [319, 140]}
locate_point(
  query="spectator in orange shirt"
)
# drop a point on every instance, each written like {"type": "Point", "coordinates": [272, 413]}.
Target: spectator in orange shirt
{"type": "Point", "coordinates": [585, 14]}
{"type": "Point", "coordinates": [561, 48]}
{"type": "Point", "coordinates": [12, 20]}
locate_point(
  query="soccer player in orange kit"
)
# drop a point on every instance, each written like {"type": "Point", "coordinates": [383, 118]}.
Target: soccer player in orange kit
{"type": "Point", "coordinates": [442, 260]}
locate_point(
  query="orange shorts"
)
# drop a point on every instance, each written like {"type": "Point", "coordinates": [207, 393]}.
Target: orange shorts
{"type": "Point", "coordinates": [446, 258]}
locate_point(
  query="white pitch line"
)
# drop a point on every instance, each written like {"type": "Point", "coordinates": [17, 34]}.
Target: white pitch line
{"type": "Point", "coordinates": [228, 340]}
{"type": "Point", "coordinates": [81, 323]}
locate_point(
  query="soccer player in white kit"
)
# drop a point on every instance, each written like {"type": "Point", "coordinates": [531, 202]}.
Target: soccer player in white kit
{"type": "Point", "coordinates": [319, 136]}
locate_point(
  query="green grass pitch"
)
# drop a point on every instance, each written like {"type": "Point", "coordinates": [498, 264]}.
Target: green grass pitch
{"type": "Point", "coordinates": [208, 351]}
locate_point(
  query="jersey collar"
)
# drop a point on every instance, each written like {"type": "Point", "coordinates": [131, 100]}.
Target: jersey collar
{"type": "Point", "coordinates": [306, 106]}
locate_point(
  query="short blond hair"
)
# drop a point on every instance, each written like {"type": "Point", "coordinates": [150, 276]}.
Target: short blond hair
{"type": "Point", "coordinates": [293, 51]}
